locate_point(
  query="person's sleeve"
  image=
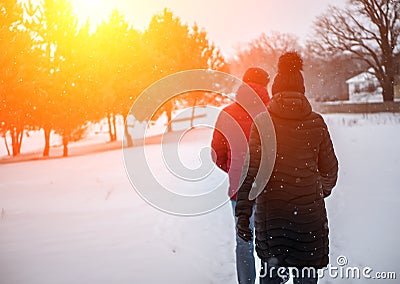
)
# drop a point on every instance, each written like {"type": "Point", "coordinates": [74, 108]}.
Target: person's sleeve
{"type": "Point", "coordinates": [327, 163]}
{"type": "Point", "coordinates": [219, 146]}
{"type": "Point", "coordinates": [244, 206]}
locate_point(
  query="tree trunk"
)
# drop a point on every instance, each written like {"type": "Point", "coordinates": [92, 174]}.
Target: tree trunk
{"type": "Point", "coordinates": [46, 150]}
{"type": "Point", "coordinates": [114, 124]}
{"type": "Point", "coordinates": [128, 137]}
{"type": "Point", "coordinates": [193, 109]}
{"type": "Point", "coordinates": [192, 117]}
{"type": "Point", "coordinates": [388, 83]}
{"type": "Point", "coordinates": [16, 139]}
{"type": "Point", "coordinates": [20, 136]}
{"type": "Point", "coordinates": [65, 141]}
{"type": "Point", "coordinates": [6, 143]}
{"type": "Point", "coordinates": [168, 111]}
{"type": "Point", "coordinates": [13, 142]}
{"type": "Point", "coordinates": [389, 70]}
{"type": "Point", "coordinates": [388, 91]}
{"type": "Point", "coordinates": [109, 127]}
{"type": "Point", "coordinates": [169, 118]}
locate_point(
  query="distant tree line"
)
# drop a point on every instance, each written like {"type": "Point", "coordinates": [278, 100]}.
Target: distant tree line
{"type": "Point", "coordinates": [364, 35]}
{"type": "Point", "coordinates": [58, 75]}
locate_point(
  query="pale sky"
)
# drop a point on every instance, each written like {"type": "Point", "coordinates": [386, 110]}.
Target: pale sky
{"type": "Point", "coordinates": [227, 22]}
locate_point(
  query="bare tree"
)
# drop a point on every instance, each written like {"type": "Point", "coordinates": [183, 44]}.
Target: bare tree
{"type": "Point", "coordinates": [325, 75]}
{"type": "Point", "coordinates": [263, 51]}
{"type": "Point", "coordinates": [368, 29]}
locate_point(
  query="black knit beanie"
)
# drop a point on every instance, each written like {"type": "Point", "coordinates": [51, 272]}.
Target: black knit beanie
{"type": "Point", "coordinates": [256, 75]}
{"type": "Point", "coordinates": [289, 77]}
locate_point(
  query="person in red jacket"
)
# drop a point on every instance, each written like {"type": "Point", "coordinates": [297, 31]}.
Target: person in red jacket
{"type": "Point", "coordinates": [232, 129]}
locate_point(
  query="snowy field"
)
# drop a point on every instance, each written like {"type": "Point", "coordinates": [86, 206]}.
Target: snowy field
{"type": "Point", "coordinates": [77, 220]}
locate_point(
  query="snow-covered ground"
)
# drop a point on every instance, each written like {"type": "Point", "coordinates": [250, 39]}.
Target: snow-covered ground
{"type": "Point", "coordinates": [77, 220]}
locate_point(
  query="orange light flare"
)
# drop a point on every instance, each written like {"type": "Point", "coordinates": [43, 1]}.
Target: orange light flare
{"type": "Point", "coordinates": [94, 11]}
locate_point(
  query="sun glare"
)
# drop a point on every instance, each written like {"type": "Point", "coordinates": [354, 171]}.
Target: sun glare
{"type": "Point", "coordinates": [94, 11]}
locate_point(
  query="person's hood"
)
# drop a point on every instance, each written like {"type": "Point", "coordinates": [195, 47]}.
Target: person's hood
{"type": "Point", "coordinates": [244, 93]}
{"type": "Point", "coordinates": [290, 105]}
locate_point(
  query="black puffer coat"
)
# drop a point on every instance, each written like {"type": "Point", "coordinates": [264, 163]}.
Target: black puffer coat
{"type": "Point", "coordinates": [290, 219]}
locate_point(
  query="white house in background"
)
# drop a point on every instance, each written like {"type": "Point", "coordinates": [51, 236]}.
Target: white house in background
{"type": "Point", "coordinates": [364, 87]}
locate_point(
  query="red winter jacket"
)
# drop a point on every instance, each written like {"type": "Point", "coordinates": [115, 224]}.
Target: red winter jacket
{"type": "Point", "coordinates": [235, 123]}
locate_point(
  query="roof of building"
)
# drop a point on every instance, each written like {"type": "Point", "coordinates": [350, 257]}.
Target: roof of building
{"type": "Point", "coordinates": [362, 77]}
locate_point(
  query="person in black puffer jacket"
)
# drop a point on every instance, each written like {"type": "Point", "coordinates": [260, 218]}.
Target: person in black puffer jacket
{"type": "Point", "coordinates": [291, 225]}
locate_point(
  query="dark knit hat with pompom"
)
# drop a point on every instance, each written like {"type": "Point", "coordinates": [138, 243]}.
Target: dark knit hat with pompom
{"type": "Point", "coordinates": [256, 75]}
{"type": "Point", "coordinates": [289, 77]}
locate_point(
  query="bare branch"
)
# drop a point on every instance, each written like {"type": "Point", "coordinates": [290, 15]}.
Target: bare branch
{"type": "Point", "coordinates": [368, 29]}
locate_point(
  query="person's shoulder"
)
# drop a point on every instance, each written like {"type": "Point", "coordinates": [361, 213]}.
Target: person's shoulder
{"type": "Point", "coordinates": [315, 115]}
{"type": "Point", "coordinates": [317, 119]}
